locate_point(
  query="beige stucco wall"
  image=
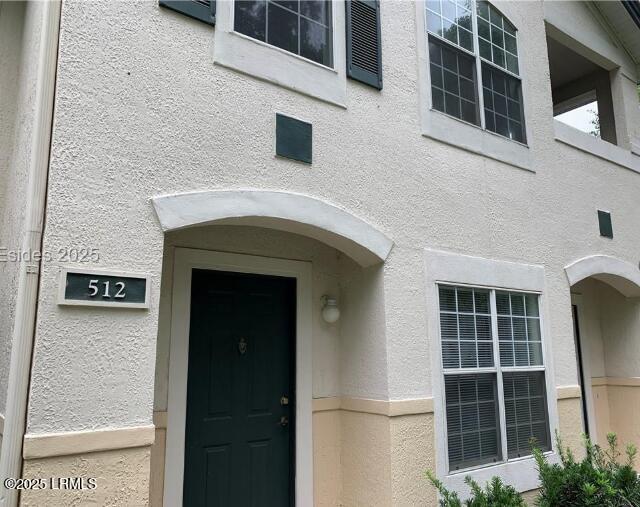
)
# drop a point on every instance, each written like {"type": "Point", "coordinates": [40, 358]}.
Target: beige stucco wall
{"type": "Point", "coordinates": [570, 425]}
{"type": "Point", "coordinates": [157, 461]}
{"type": "Point", "coordinates": [600, 397]}
{"type": "Point", "coordinates": [359, 458]}
{"type": "Point", "coordinates": [412, 454]}
{"type": "Point", "coordinates": [122, 478]}
{"type": "Point", "coordinates": [624, 413]}
{"type": "Point", "coordinates": [327, 458]}
{"type": "Point", "coordinates": [363, 459]}
{"type": "Point", "coordinates": [366, 456]}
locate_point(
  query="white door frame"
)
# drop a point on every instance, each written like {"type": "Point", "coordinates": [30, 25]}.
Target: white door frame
{"type": "Point", "coordinates": [585, 362]}
{"type": "Point", "coordinates": [185, 261]}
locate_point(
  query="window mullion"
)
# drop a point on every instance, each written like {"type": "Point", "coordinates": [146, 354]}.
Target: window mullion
{"type": "Point", "coordinates": [496, 360]}
{"type": "Point", "coordinates": [476, 47]}
{"type": "Point", "coordinates": [299, 27]}
{"type": "Point", "coordinates": [266, 23]}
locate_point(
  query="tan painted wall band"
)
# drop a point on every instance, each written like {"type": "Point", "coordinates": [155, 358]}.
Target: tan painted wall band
{"type": "Point", "coordinates": [616, 381]}
{"type": "Point", "coordinates": [392, 408]}
{"type": "Point", "coordinates": [566, 392]}
{"type": "Point", "coordinates": [80, 442]}
{"type": "Point", "coordinates": [326, 404]}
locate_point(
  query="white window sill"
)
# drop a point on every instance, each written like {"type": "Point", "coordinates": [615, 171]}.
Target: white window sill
{"type": "Point", "coordinates": [468, 137]}
{"type": "Point", "coordinates": [522, 474]}
{"type": "Point", "coordinates": [283, 52]}
{"type": "Point", "coordinates": [269, 63]}
{"type": "Point", "coordinates": [590, 144]}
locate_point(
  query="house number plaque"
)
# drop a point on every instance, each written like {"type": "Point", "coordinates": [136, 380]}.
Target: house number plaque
{"type": "Point", "coordinates": [101, 288]}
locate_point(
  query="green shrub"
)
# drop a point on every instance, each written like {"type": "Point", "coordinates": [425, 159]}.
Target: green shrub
{"type": "Point", "coordinates": [495, 493]}
{"type": "Point", "coordinates": [603, 478]}
{"type": "Point", "coordinates": [600, 479]}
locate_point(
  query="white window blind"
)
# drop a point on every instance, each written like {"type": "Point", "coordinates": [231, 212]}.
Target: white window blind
{"type": "Point", "coordinates": [493, 371]}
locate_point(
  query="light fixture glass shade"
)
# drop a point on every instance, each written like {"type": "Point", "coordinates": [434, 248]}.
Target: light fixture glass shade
{"type": "Point", "coordinates": [330, 310]}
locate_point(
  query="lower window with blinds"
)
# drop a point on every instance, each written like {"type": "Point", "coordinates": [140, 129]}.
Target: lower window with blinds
{"type": "Point", "coordinates": [493, 371]}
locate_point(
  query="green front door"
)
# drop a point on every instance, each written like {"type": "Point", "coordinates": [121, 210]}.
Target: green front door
{"type": "Point", "coordinates": [239, 441]}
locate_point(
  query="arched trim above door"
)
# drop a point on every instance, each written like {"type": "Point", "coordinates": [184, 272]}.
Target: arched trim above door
{"type": "Point", "coordinates": [291, 212]}
{"type": "Point", "coordinates": [621, 275]}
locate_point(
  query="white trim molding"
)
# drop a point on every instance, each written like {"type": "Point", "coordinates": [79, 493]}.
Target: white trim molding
{"type": "Point", "coordinates": [585, 363]}
{"type": "Point", "coordinates": [185, 261]}
{"type": "Point", "coordinates": [255, 58]}
{"type": "Point", "coordinates": [458, 133]}
{"type": "Point", "coordinates": [286, 211]}
{"type": "Point", "coordinates": [80, 442]}
{"type": "Point", "coordinates": [621, 275]}
{"type": "Point", "coordinates": [582, 141]}
{"type": "Point", "coordinates": [465, 269]}
{"type": "Point", "coordinates": [453, 268]}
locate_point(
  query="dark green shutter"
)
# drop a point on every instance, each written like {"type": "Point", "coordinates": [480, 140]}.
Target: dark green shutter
{"type": "Point", "coordinates": [364, 45]}
{"type": "Point", "coordinates": [204, 10]}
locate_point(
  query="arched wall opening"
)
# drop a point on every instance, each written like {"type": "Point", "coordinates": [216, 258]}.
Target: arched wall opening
{"type": "Point", "coordinates": [348, 358]}
{"type": "Point", "coordinates": [606, 310]}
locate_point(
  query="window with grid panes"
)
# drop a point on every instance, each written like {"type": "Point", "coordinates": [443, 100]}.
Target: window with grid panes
{"type": "Point", "coordinates": [467, 37]}
{"type": "Point", "coordinates": [493, 371]}
{"type": "Point", "coordinates": [302, 27]}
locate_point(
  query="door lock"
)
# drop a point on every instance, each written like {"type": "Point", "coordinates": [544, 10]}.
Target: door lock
{"type": "Point", "coordinates": [284, 421]}
{"type": "Point", "coordinates": [284, 400]}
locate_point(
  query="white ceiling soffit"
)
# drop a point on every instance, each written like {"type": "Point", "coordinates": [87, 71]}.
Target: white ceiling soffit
{"type": "Point", "coordinates": [624, 25]}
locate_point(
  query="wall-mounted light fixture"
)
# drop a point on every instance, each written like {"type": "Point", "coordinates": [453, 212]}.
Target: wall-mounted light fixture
{"type": "Point", "coordinates": [330, 310]}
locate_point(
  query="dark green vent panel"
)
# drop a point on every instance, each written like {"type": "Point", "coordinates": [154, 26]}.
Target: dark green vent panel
{"type": "Point", "coordinates": [293, 139]}
{"type": "Point", "coordinates": [203, 10]}
{"type": "Point", "coordinates": [364, 45]}
{"type": "Point", "coordinates": [606, 228]}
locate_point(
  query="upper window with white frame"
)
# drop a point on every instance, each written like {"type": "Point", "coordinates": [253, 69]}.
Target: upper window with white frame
{"type": "Point", "coordinates": [467, 39]}
{"type": "Point", "coordinates": [301, 27]}
{"type": "Point", "coordinates": [494, 375]}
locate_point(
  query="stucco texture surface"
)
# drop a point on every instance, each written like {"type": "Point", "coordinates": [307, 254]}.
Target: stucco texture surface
{"type": "Point", "coordinates": [624, 414]}
{"type": "Point", "coordinates": [570, 426]}
{"type": "Point", "coordinates": [156, 475]}
{"type": "Point", "coordinates": [143, 110]}
{"type": "Point", "coordinates": [366, 459]}
{"type": "Point", "coordinates": [330, 270]}
{"type": "Point", "coordinates": [327, 458]}
{"type": "Point", "coordinates": [133, 121]}
{"type": "Point", "coordinates": [412, 454]}
{"type": "Point", "coordinates": [122, 479]}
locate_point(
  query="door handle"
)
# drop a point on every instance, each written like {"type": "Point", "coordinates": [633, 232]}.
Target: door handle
{"type": "Point", "coordinates": [284, 421]}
